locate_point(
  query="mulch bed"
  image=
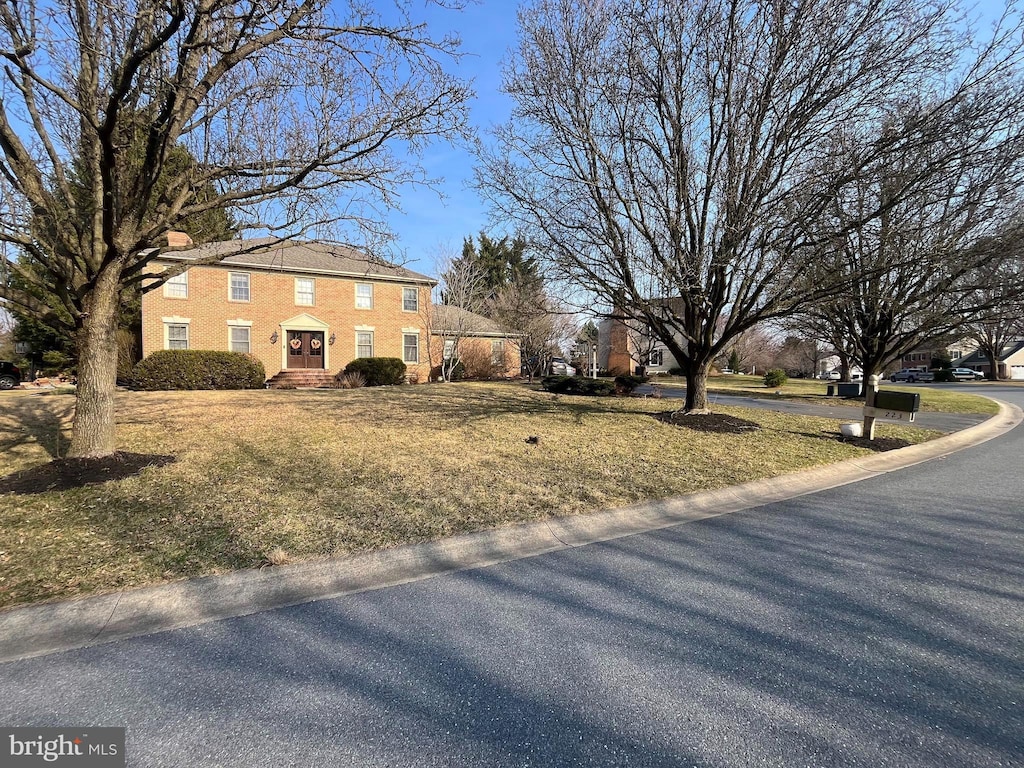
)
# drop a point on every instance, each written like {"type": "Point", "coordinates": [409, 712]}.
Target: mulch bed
{"type": "Point", "coordinates": [878, 444]}
{"type": "Point", "coordinates": [709, 422]}
{"type": "Point", "coordinates": [65, 474]}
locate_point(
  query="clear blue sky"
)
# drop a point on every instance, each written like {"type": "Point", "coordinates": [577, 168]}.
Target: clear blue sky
{"type": "Point", "coordinates": [427, 223]}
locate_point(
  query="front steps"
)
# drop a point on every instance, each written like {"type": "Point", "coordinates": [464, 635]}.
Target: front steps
{"type": "Point", "coordinates": [302, 378]}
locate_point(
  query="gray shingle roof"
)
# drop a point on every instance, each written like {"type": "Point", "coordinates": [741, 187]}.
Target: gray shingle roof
{"type": "Point", "coordinates": [458, 320]}
{"type": "Point", "coordinates": [978, 358]}
{"type": "Point", "coordinates": [295, 256]}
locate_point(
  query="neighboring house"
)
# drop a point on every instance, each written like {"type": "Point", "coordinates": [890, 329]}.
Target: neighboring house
{"type": "Point", "coordinates": [297, 306]}
{"type": "Point", "coordinates": [921, 358]}
{"type": "Point", "coordinates": [622, 348]}
{"type": "Point", "coordinates": [1010, 361]}
{"type": "Point", "coordinates": [485, 350]}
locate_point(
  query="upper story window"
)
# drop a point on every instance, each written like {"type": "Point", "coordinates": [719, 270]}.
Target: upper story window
{"type": "Point", "coordinates": [364, 296]}
{"type": "Point", "coordinates": [410, 299]}
{"type": "Point", "coordinates": [239, 286]}
{"type": "Point", "coordinates": [177, 287]}
{"type": "Point", "coordinates": [656, 358]}
{"type": "Point", "coordinates": [305, 291]}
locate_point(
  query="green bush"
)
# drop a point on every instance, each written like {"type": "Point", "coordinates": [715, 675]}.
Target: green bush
{"type": "Point", "coordinates": [198, 369]}
{"type": "Point", "coordinates": [676, 371]}
{"type": "Point", "coordinates": [578, 385]}
{"type": "Point", "coordinates": [944, 374]}
{"type": "Point", "coordinates": [378, 371]}
{"type": "Point", "coordinates": [775, 377]}
{"type": "Point", "coordinates": [625, 385]}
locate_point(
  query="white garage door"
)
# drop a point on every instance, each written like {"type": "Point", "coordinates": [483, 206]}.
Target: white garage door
{"type": "Point", "coordinates": [1017, 371]}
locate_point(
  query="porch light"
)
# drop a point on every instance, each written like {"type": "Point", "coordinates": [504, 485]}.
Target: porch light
{"type": "Point", "coordinates": [273, 338]}
{"type": "Point", "coordinates": [331, 339]}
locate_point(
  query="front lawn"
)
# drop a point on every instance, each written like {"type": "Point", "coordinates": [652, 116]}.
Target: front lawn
{"type": "Point", "coordinates": [262, 476]}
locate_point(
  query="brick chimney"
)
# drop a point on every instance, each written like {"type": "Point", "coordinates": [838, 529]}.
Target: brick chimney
{"type": "Point", "coordinates": [178, 240]}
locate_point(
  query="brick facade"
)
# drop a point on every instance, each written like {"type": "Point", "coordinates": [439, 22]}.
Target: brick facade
{"type": "Point", "coordinates": [209, 314]}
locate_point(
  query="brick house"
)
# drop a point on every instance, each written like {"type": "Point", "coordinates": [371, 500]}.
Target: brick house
{"type": "Point", "coordinates": [304, 309]}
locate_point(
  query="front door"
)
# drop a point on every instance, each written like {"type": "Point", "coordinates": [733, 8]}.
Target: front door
{"type": "Point", "coordinates": [305, 349]}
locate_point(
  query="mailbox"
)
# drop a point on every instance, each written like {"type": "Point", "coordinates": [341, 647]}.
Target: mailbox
{"type": "Point", "coordinates": [909, 402]}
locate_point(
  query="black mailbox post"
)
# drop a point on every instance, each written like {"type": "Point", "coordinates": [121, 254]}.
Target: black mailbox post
{"type": "Point", "coordinates": [908, 402]}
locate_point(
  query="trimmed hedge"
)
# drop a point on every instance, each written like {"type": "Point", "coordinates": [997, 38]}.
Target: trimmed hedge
{"type": "Point", "coordinates": [776, 377]}
{"type": "Point", "coordinates": [378, 371]}
{"type": "Point", "coordinates": [198, 369]}
{"type": "Point", "coordinates": [578, 385]}
{"type": "Point", "coordinates": [945, 374]}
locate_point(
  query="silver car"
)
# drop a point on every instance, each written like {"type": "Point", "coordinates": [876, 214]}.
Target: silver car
{"type": "Point", "coordinates": [559, 367]}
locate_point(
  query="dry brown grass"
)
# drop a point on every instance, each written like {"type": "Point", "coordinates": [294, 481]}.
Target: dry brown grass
{"type": "Point", "coordinates": [288, 475]}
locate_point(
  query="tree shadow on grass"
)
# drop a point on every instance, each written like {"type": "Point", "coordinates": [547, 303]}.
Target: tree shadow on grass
{"type": "Point", "coordinates": [65, 474]}
{"type": "Point", "coordinates": [31, 419]}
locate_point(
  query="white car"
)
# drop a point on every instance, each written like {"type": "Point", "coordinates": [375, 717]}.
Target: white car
{"type": "Point", "coordinates": [559, 367]}
{"type": "Point", "coordinates": [967, 374]}
{"type": "Point", "coordinates": [911, 375]}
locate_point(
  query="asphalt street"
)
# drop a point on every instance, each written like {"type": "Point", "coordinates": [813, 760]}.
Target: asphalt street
{"type": "Point", "coordinates": [877, 624]}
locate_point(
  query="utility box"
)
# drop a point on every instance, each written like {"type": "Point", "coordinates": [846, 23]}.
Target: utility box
{"type": "Point", "coordinates": [908, 402]}
{"type": "Point", "coordinates": [849, 389]}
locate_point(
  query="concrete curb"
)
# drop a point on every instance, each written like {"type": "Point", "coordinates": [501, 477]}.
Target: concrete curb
{"type": "Point", "coordinates": [53, 627]}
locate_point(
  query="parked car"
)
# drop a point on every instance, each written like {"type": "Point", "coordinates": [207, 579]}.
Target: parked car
{"type": "Point", "coordinates": [727, 371]}
{"type": "Point", "coordinates": [10, 375]}
{"type": "Point", "coordinates": [559, 367]}
{"type": "Point", "coordinates": [911, 375]}
{"type": "Point", "coordinates": [967, 374]}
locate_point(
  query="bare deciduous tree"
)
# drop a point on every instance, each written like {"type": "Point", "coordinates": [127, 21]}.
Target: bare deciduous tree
{"type": "Point", "coordinates": [536, 322]}
{"type": "Point", "coordinates": [677, 149]}
{"type": "Point", "coordinates": [1002, 292]}
{"type": "Point", "coordinates": [453, 317]}
{"type": "Point", "coordinates": [285, 106]}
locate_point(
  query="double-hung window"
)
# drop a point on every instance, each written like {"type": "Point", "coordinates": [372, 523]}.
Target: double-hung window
{"type": "Point", "coordinates": [177, 287]}
{"type": "Point", "coordinates": [177, 336]}
{"type": "Point", "coordinates": [364, 343]}
{"type": "Point", "coordinates": [410, 299]}
{"type": "Point", "coordinates": [239, 286]}
{"type": "Point", "coordinates": [364, 296]}
{"type": "Point", "coordinates": [240, 338]}
{"type": "Point", "coordinates": [497, 352]}
{"type": "Point", "coordinates": [411, 347]}
{"type": "Point", "coordinates": [305, 291]}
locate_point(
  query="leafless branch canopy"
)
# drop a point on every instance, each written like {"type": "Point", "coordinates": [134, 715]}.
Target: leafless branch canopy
{"type": "Point", "coordinates": [678, 149]}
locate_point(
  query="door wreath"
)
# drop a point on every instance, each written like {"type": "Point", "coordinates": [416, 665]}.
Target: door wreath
{"type": "Point", "coordinates": [314, 343]}
{"type": "Point", "coordinates": [295, 343]}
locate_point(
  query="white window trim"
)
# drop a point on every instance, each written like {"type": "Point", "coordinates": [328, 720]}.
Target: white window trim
{"type": "Point", "coordinates": [239, 323]}
{"type": "Point", "coordinates": [357, 296]}
{"type": "Point", "coordinates": [312, 282]}
{"type": "Point", "coordinates": [417, 292]}
{"type": "Point", "coordinates": [373, 345]}
{"type": "Point", "coordinates": [416, 333]}
{"type": "Point", "coordinates": [248, 277]}
{"type": "Point", "coordinates": [183, 276]}
{"type": "Point", "coordinates": [175, 320]}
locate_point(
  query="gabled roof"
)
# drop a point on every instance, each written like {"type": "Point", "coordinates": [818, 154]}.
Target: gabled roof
{"type": "Point", "coordinates": [295, 256]}
{"type": "Point", "coordinates": [978, 358]}
{"type": "Point", "coordinates": [449, 319]}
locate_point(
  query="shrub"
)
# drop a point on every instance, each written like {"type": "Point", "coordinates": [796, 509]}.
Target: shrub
{"type": "Point", "coordinates": [577, 385]}
{"type": "Point", "coordinates": [675, 371]}
{"type": "Point", "coordinates": [378, 371]}
{"type": "Point", "coordinates": [775, 377]}
{"type": "Point", "coordinates": [477, 363]}
{"type": "Point", "coordinates": [624, 385]}
{"type": "Point", "coordinates": [352, 380]}
{"type": "Point", "coordinates": [198, 369]}
{"type": "Point", "coordinates": [944, 374]}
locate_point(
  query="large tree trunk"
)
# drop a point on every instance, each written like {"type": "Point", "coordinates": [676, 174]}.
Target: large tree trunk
{"type": "Point", "coordinates": [993, 371]}
{"type": "Point", "coordinates": [93, 433]}
{"type": "Point", "coordinates": [697, 387]}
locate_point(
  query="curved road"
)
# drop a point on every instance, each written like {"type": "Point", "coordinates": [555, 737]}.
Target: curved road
{"type": "Point", "coordinates": [878, 624]}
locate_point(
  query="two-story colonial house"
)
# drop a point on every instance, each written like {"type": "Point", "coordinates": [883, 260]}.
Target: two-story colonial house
{"type": "Point", "coordinates": [297, 306]}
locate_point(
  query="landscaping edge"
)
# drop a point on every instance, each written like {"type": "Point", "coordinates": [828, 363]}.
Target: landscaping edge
{"type": "Point", "coordinates": [46, 628]}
